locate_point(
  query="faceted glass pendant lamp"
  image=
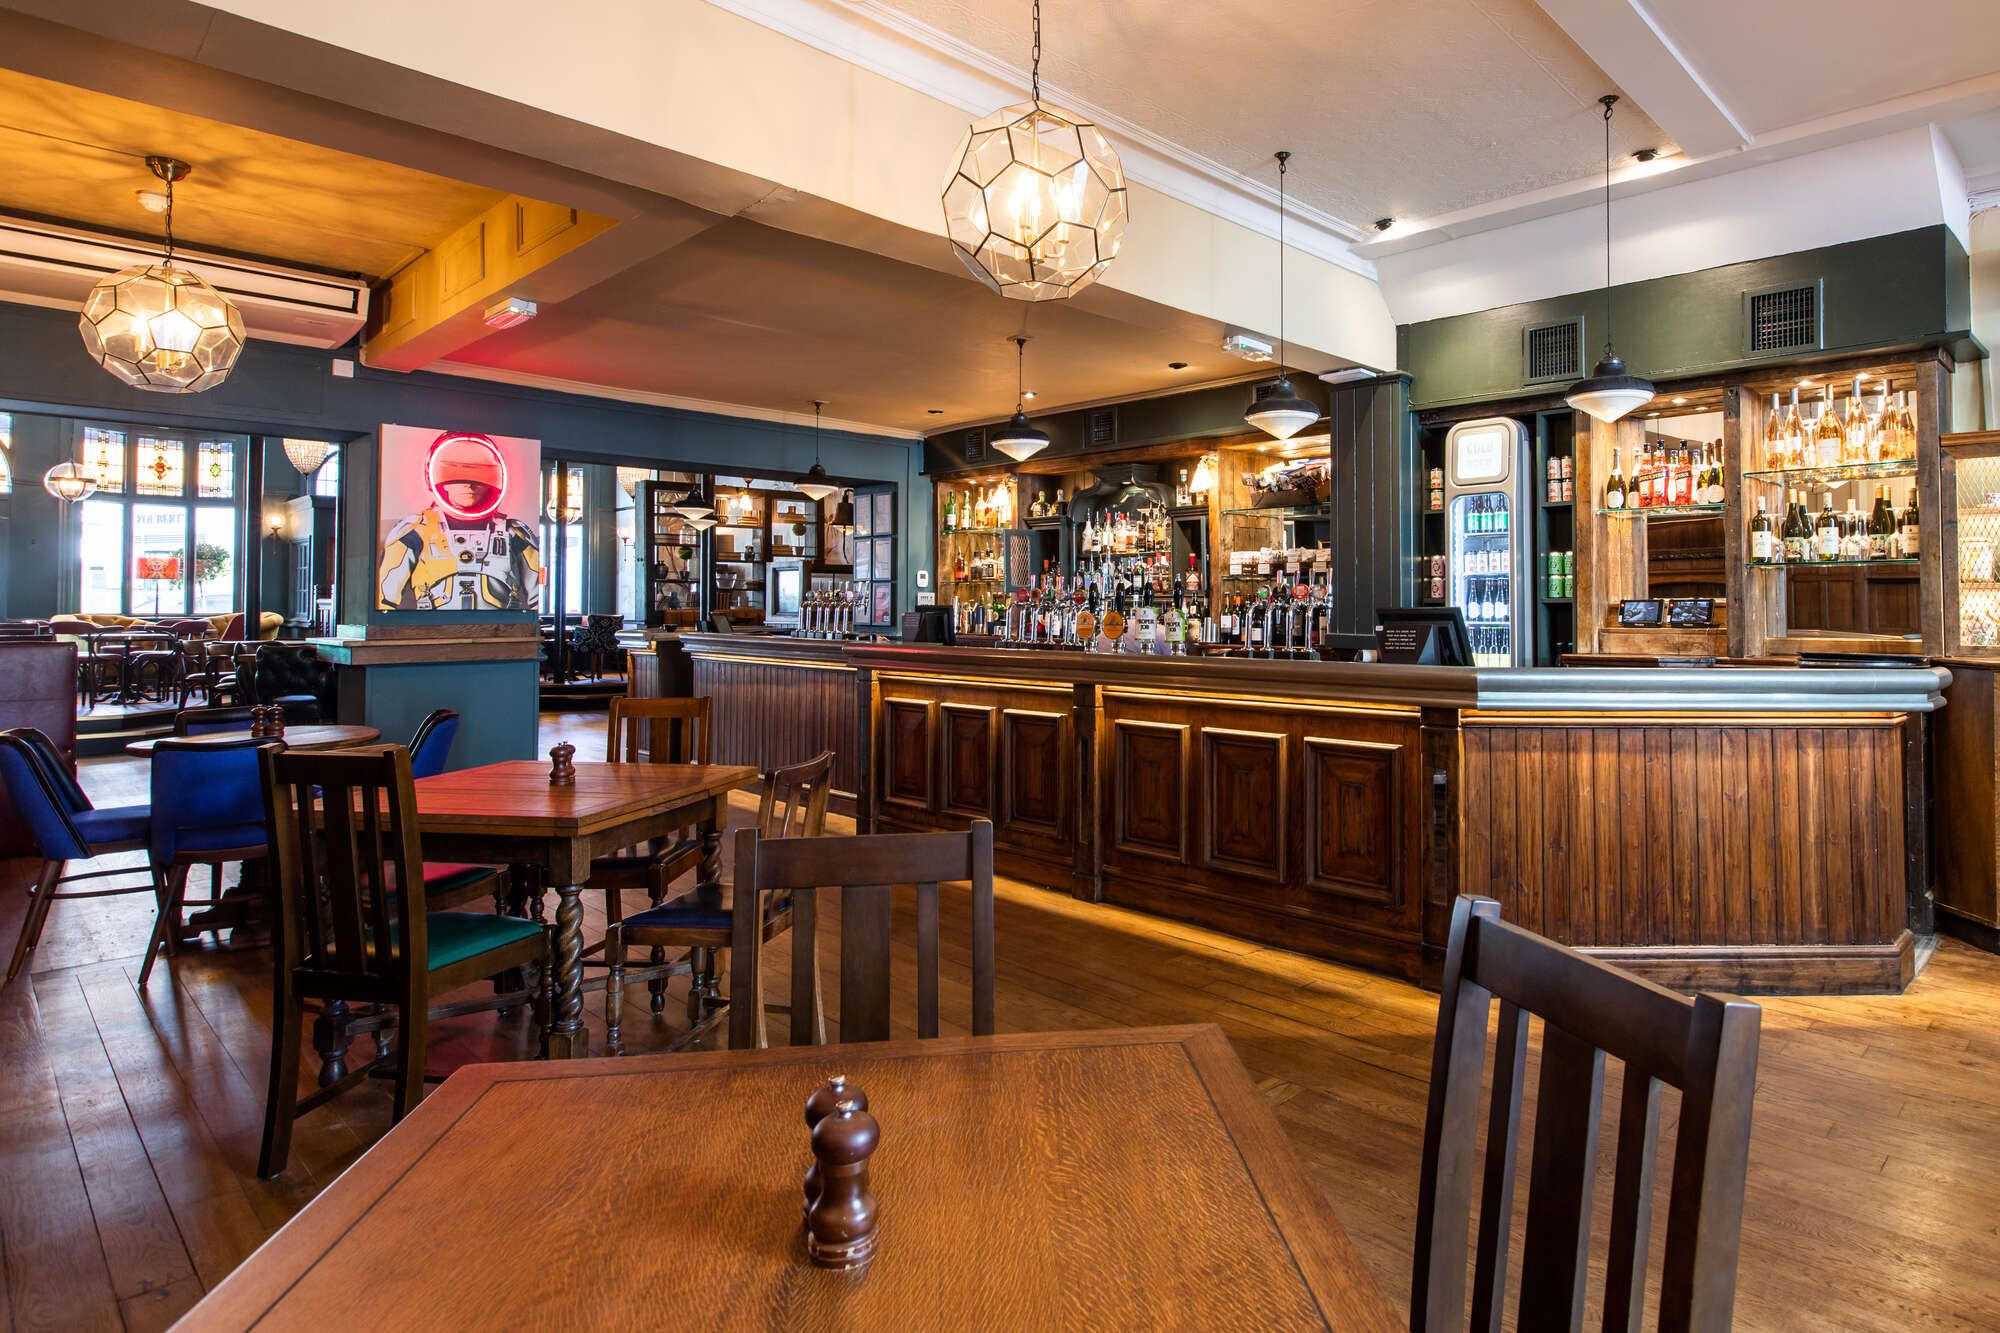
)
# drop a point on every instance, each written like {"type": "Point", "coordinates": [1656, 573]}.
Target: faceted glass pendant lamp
{"type": "Point", "coordinates": [1610, 392]}
{"type": "Point", "coordinates": [157, 326]}
{"type": "Point", "coordinates": [1035, 201]}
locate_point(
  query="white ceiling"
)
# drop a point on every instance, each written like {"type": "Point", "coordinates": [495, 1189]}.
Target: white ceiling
{"type": "Point", "coordinates": [1392, 107]}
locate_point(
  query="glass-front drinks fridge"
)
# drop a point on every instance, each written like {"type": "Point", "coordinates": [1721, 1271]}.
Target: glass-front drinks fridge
{"type": "Point", "coordinates": [1489, 555]}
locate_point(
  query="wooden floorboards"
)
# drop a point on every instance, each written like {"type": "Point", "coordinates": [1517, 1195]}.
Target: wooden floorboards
{"type": "Point", "coordinates": [129, 1124]}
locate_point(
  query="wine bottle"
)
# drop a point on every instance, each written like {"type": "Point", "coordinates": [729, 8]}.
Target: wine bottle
{"type": "Point", "coordinates": [1826, 432]}
{"type": "Point", "coordinates": [1826, 529]}
{"type": "Point", "coordinates": [1854, 434]}
{"type": "Point", "coordinates": [1795, 435]}
{"type": "Point", "coordinates": [1774, 437]}
{"type": "Point", "coordinates": [1614, 485]}
{"type": "Point", "coordinates": [1910, 533]}
{"type": "Point", "coordinates": [1797, 539]}
{"type": "Point", "coordinates": [1881, 527]}
{"type": "Point", "coordinates": [1763, 545]}
{"type": "Point", "coordinates": [1906, 427]}
{"type": "Point", "coordinates": [1853, 534]}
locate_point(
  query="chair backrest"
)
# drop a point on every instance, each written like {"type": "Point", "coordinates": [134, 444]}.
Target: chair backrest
{"type": "Point", "coordinates": [232, 628]}
{"type": "Point", "coordinates": [208, 721]}
{"type": "Point", "coordinates": [38, 689]}
{"type": "Point", "coordinates": [1705, 1046]}
{"type": "Point", "coordinates": [343, 834]}
{"type": "Point", "coordinates": [430, 748]}
{"type": "Point", "coordinates": [55, 767]}
{"type": "Point", "coordinates": [794, 800]}
{"type": "Point", "coordinates": [37, 803]}
{"type": "Point", "coordinates": [863, 869]}
{"type": "Point", "coordinates": [668, 731]}
{"type": "Point", "coordinates": [207, 786]}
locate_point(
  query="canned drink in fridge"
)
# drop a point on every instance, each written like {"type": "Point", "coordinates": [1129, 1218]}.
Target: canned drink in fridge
{"type": "Point", "coordinates": [1569, 490]}
{"type": "Point", "coordinates": [1568, 467]}
{"type": "Point", "coordinates": [1555, 489]}
{"type": "Point", "coordinates": [1555, 468]}
{"type": "Point", "coordinates": [1437, 588]}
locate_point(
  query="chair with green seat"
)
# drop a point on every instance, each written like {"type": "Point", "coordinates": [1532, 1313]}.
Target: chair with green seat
{"type": "Point", "coordinates": [345, 935]}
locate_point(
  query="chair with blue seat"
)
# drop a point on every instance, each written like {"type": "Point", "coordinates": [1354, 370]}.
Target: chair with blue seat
{"type": "Point", "coordinates": [208, 810]}
{"type": "Point", "coordinates": [210, 720]}
{"type": "Point", "coordinates": [449, 883]}
{"type": "Point", "coordinates": [343, 837]}
{"type": "Point", "coordinates": [430, 748]}
{"type": "Point", "coordinates": [66, 827]}
{"type": "Point", "coordinates": [793, 806]}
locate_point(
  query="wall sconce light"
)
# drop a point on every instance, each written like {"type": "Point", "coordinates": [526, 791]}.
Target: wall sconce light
{"type": "Point", "coordinates": [274, 523]}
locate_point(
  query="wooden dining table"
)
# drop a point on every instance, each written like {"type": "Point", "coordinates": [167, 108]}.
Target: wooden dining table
{"type": "Point", "coordinates": [509, 814]}
{"type": "Point", "coordinates": [1128, 1178]}
{"type": "Point", "coordinates": [311, 736]}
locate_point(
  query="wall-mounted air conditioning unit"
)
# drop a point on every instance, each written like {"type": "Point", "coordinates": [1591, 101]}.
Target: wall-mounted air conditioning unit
{"type": "Point", "coordinates": [47, 265]}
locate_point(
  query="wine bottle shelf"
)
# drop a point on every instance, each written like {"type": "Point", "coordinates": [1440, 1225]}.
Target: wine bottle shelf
{"type": "Point", "coordinates": [1665, 511]}
{"type": "Point", "coordinates": [1288, 511]}
{"type": "Point", "coordinates": [974, 532]}
{"type": "Point", "coordinates": [1827, 476]}
{"type": "Point", "coordinates": [1829, 564]}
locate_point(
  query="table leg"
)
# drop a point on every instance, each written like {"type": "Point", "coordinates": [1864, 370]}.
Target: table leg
{"type": "Point", "coordinates": [566, 1037]}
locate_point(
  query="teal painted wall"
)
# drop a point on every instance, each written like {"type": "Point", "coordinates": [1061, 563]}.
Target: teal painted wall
{"type": "Point", "coordinates": [496, 702]}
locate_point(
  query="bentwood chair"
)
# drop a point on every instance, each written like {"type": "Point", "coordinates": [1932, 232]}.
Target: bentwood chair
{"type": "Point", "coordinates": [793, 806]}
{"type": "Point", "coordinates": [208, 810]}
{"type": "Point", "coordinates": [343, 838]}
{"type": "Point", "coordinates": [1704, 1046]}
{"type": "Point", "coordinates": [66, 827]}
{"type": "Point", "coordinates": [863, 869]}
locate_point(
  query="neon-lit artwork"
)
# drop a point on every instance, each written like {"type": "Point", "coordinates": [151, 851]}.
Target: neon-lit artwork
{"type": "Point", "coordinates": [446, 502]}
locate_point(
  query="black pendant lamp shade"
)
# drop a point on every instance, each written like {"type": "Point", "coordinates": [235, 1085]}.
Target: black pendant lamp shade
{"type": "Point", "coordinates": [1019, 439]}
{"type": "Point", "coordinates": [816, 482]}
{"type": "Point", "coordinates": [1281, 413]}
{"type": "Point", "coordinates": [1611, 392]}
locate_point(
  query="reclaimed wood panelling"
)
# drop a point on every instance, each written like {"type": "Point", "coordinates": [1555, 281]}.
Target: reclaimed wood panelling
{"type": "Point", "coordinates": [772, 713]}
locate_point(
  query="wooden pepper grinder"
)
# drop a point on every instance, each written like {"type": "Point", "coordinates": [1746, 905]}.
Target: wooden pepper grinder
{"type": "Point", "coordinates": [562, 766]}
{"type": "Point", "coordinates": [840, 1227]}
{"type": "Point", "coordinates": [818, 1107]}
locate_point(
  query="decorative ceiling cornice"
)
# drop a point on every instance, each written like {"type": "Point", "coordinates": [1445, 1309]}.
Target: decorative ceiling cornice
{"type": "Point", "coordinates": [882, 40]}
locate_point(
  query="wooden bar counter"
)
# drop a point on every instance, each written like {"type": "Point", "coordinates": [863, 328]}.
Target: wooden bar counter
{"type": "Point", "coordinates": [1744, 829]}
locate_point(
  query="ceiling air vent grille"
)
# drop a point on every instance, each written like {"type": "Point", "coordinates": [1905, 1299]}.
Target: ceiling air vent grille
{"type": "Point", "coordinates": [975, 447]}
{"type": "Point", "coordinates": [1552, 352]}
{"type": "Point", "coordinates": [1101, 428]}
{"type": "Point", "coordinates": [1783, 319]}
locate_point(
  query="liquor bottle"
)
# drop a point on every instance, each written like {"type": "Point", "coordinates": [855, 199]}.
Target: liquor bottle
{"type": "Point", "coordinates": [1182, 496]}
{"type": "Point", "coordinates": [1774, 437]}
{"type": "Point", "coordinates": [1909, 533]}
{"type": "Point", "coordinates": [1855, 433]}
{"type": "Point", "coordinates": [958, 567]}
{"type": "Point", "coordinates": [1826, 432]}
{"type": "Point", "coordinates": [1193, 583]}
{"type": "Point", "coordinates": [1906, 427]}
{"type": "Point", "coordinates": [1881, 527]}
{"type": "Point", "coordinates": [1796, 536]}
{"type": "Point", "coordinates": [1614, 485]}
{"type": "Point", "coordinates": [1826, 528]}
{"type": "Point", "coordinates": [1087, 539]}
{"type": "Point", "coordinates": [1795, 435]}
{"type": "Point", "coordinates": [1763, 544]}
{"type": "Point", "coordinates": [950, 512]}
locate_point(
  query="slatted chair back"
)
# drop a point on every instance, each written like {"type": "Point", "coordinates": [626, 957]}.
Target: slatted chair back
{"type": "Point", "coordinates": [863, 869]}
{"type": "Point", "coordinates": [661, 731]}
{"type": "Point", "coordinates": [794, 800]}
{"type": "Point", "coordinates": [343, 834]}
{"type": "Point", "coordinates": [1704, 1046]}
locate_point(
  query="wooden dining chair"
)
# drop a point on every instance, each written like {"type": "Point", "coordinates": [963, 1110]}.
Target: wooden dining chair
{"type": "Point", "coordinates": [353, 925]}
{"type": "Point", "coordinates": [1704, 1046]}
{"type": "Point", "coordinates": [863, 869]}
{"type": "Point", "coordinates": [793, 806]}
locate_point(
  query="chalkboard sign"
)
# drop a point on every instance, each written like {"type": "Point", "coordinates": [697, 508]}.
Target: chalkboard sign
{"type": "Point", "coordinates": [1643, 612]}
{"type": "Point", "coordinates": [1691, 612]}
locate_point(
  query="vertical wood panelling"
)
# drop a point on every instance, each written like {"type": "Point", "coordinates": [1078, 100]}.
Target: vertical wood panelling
{"type": "Point", "coordinates": [770, 714]}
{"type": "Point", "coordinates": [1244, 801]}
{"type": "Point", "coordinates": [965, 785]}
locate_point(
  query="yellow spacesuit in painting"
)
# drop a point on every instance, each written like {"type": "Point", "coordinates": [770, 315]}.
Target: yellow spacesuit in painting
{"type": "Point", "coordinates": [432, 563]}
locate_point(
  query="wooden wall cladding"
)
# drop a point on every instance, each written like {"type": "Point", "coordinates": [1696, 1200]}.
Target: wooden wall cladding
{"type": "Point", "coordinates": [771, 713]}
{"type": "Point", "coordinates": [1644, 839]}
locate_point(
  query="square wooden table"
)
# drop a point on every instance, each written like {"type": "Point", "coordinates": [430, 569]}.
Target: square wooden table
{"type": "Point", "coordinates": [507, 813]}
{"type": "Point", "coordinates": [1128, 1178]}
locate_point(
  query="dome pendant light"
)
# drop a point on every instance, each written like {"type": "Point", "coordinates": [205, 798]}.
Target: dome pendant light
{"type": "Point", "coordinates": [1281, 413]}
{"type": "Point", "coordinates": [1035, 203]}
{"type": "Point", "coordinates": [1019, 439]}
{"type": "Point", "coordinates": [69, 482]}
{"type": "Point", "coordinates": [816, 483]}
{"type": "Point", "coordinates": [1609, 393]}
{"type": "Point", "coordinates": [159, 327]}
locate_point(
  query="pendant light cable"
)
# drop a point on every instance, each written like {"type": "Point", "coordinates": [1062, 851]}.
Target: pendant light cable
{"type": "Point", "coordinates": [1283, 158]}
{"type": "Point", "coordinates": [1035, 59]}
{"type": "Point", "coordinates": [168, 258]}
{"type": "Point", "coordinates": [1609, 100]}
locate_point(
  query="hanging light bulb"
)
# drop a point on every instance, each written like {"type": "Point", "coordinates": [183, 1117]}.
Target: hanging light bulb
{"type": "Point", "coordinates": [1610, 393]}
{"type": "Point", "coordinates": [160, 327]}
{"type": "Point", "coordinates": [69, 482]}
{"type": "Point", "coordinates": [817, 483]}
{"type": "Point", "coordinates": [1281, 412]}
{"type": "Point", "coordinates": [690, 506]}
{"type": "Point", "coordinates": [1203, 480]}
{"type": "Point", "coordinates": [1035, 203]}
{"type": "Point", "coordinates": [1019, 439]}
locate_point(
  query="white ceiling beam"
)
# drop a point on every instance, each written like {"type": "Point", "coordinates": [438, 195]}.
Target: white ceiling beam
{"type": "Point", "coordinates": [1628, 44]}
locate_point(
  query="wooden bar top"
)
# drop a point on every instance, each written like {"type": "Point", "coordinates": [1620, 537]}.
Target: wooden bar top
{"type": "Point", "coordinates": [1130, 1178]}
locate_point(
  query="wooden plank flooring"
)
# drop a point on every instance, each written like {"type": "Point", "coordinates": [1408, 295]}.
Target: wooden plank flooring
{"type": "Point", "coordinates": [127, 1162]}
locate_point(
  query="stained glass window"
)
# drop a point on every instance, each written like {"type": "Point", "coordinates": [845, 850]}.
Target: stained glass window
{"type": "Point", "coordinates": [215, 470]}
{"type": "Point", "coordinates": [104, 455]}
{"type": "Point", "coordinates": [162, 467]}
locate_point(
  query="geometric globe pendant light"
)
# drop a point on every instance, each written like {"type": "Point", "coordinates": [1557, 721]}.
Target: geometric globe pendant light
{"type": "Point", "coordinates": [1281, 413]}
{"type": "Point", "coordinates": [816, 483]}
{"type": "Point", "coordinates": [1035, 202]}
{"type": "Point", "coordinates": [1610, 392]}
{"type": "Point", "coordinates": [159, 327]}
{"type": "Point", "coordinates": [69, 482]}
{"type": "Point", "coordinates": [1020, 439]}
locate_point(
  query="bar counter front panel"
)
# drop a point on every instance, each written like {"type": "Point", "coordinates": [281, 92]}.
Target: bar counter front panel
{"type": "Point", "coordinates": [1735, 829]}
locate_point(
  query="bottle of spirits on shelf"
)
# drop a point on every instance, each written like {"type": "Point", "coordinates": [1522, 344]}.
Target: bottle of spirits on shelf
{"type": "Point", "coordinates": [1614, 485]}
{"type": "Point", "coordinates": [1826, 531]}
{"type": "Point", "coordinates": [1826, 432]}
{"type": "Point", "coordinates": [1855, 434]}
{"type": "Point", "coordinates": [950, 511]}
{"type": "Point", "coordinates": [1181, 496]}
{"type": "Point", "coordinates": [1881, 527]}
{"type": "Point", "coordinates": [1193, 584]}
{"type": "Point", "coordinates": [1764, 546]}
{"type": "Point", "coordinates": [1796, 444]}
{"type": "Point", "coordinates": [1909, 534]}
{"type": "Point", "coordinates": [1774, 437]}
{"type": "Point", "coordinates": [958, 567]}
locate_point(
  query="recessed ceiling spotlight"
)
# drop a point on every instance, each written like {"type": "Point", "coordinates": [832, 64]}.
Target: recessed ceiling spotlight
{"type": "Point", "coordinates": [1176, 365]}
{"type": "Point", "coordinates": [1383, 224]}
{"type": "Point", "coordinates": [1805, 384]}
{"type": "Point", "coordinates": [1027, 393]}
{"type": "Point", "coordinates": [1646, 154]}
{"type": "Point", "coordinates": [153, 201]}
{"type": "Point", "coordinates": [1679, 401]}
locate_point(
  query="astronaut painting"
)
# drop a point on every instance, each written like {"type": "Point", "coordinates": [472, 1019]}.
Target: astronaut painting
{"type": "Point", "coordinates": [461, 551]}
